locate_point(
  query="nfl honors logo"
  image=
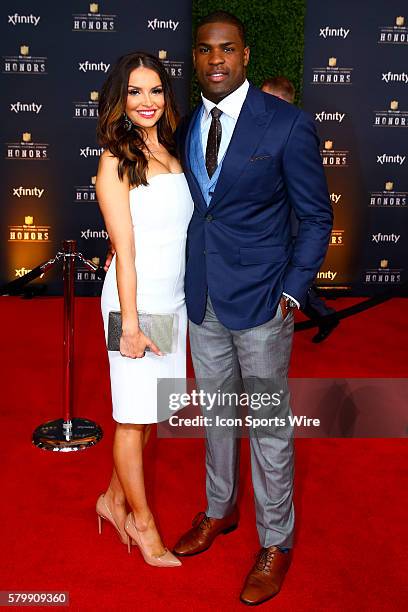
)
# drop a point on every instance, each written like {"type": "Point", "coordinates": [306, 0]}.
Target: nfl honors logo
{"type": "Point", "coordinates": [396, 34]}
{"type": "Point", "coordinates": [384, 274]}
{"type": "Point", "coordinates": [24, 63]}
{"type": "Point", "coordinates": [173, 68]}
{"type": "Point", "coordinates": [332, 74]}
{"type": "Point", "coordinates": [333, 158]}
{"type": "Point", "coordinates": [93, 20]}
{"type": "Point", "coordinates": [29, 232]}
{"type": "Point", "coordinates": [86, 193]}
{"type": "Point", "coordinates": [85, 275]}
{"type": "Point", "coordinates": [26, 149]}
{"type": "Point", "coordinates": [337, 238]}
{"type": "Point", "coordinates": [88, 109]}
{"type": "Point", "coordinates": [393, 117]}
{"type": "Point", "coordinates": [388, 197]}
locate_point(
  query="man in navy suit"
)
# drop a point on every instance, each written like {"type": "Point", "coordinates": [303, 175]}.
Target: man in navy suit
{"type": "Point", "coordinates": [248, 158]}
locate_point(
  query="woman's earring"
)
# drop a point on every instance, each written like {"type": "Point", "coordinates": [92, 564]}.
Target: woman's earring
{"type": "Point", "coordinates": [127, 124]}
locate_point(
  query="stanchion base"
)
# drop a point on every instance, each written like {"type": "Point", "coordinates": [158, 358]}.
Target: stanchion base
{"type": "Point", "coordinates": [66, 436]}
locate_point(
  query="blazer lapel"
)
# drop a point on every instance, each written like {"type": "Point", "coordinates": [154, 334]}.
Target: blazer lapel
{"type": "Point", "coordinates": [191, 179]}
{"type": "Point", "coordinates": [249, 130]}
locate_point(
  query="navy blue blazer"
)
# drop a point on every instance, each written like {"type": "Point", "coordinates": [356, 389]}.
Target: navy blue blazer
{"type": "Point", "coordinates": [240, 247]}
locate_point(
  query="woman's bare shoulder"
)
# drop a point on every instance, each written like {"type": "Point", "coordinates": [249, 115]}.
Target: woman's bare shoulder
{"type": "Point", "coordinates": [108, 168]}
{"type": "Point", "coordinates": [108, 161]}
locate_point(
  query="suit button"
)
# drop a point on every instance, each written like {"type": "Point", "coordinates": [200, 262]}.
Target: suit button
{"type": "Point", "coordinates": [205, 252]}
{"type": "Point", "coordinates": [209, 218]}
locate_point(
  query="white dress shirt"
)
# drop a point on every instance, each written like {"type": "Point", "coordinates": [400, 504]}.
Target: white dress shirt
{"type": "Point", "coordinates": [231, 107]}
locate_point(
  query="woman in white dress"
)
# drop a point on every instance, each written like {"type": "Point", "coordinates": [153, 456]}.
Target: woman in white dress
{"type": "Point", "coordinates": [146, 205]}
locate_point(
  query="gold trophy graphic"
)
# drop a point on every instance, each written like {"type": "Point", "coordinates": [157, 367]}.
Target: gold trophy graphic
{"type": "Point", "coordinates": [24, 50]}
{"type": "Point", "coordinates": [26, 137]}
{"type": "Point", "coordinates": [328, 145]}
{"type": "Point", "coordinates": [384, 263]}
{"type": "Point", "coordinates": [28, 220]}
{"type": "Point", "coordinates": [162, 54]}
{"type": "Point", "coordinates": [93, 180]}
{"type": "Point", "coordinates": [399, 21]}
{"type": "Point", "coordinates": [94, 8]}
{"type": "Point", "coordinates": [389, 186]}
{"type": "Point", "coordinates": [94, 96]}
{"type": "Point", "coordinates": [394, 105]}
{"type": "Point", "coordinates": [332, 62]}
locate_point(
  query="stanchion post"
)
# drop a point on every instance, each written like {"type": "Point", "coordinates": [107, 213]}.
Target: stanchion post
{"type": "Point", "coordinates": [68, 433]}
{"type": "Point", "coordinates": [69, 250]}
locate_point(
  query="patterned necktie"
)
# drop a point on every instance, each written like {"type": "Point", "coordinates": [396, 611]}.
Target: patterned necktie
{"type": "Point", "coordinates": [213, 142]}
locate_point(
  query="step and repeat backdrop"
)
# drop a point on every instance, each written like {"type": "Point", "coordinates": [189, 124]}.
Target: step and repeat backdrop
{"type": "Point", "coordinates": [55, 57]}
{"type": "Point", "coordinates": [356, 87]}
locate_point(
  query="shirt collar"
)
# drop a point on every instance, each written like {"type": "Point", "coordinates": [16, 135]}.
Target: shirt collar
{"type": "Point", "coordinates": [230, 105]}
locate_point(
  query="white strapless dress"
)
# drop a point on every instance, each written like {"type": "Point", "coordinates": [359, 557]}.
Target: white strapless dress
{"type": "Point", "coordinates": [161, 212]}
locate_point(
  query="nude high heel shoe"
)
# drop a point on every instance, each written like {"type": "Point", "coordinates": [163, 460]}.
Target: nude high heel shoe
{"type": "Point", "coordinates": [103, 512]}
{"type": "Point", "coordinates": [167, 559]}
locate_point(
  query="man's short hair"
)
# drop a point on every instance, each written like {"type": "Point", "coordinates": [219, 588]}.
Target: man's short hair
{"type": "Point", "coordinates": [281, 85]}
{"type": "Point", "coordinates": [224, 17]}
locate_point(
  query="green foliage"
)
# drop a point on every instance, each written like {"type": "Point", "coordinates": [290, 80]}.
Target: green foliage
{"type": "Point", "coordinates": [275, 36]}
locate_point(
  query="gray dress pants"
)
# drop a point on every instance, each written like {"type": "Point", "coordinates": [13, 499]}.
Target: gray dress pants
{"type": "Point", "coordinates": [249, 360]}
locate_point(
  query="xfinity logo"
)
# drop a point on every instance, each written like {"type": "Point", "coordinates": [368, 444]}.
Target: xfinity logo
{"type": "Point", "coordinates": [20, 272]}
{"type": "Point", "coordinates": [90, 152]}
{"type": "Point", "coordinates": [27, 191]}
{"type": "Point", "coordinates": [401, 77]}
{"type": "Point", "coordinates": [391, 159]}
{"type": "Point", "coordinates": [17, 19]}
{"type": "Point", "coordinates": [336, 32]}
{"type": "Point", "coordinates": [154, 24]}
{"type": "Point", "coordinates": [335, 197]}
{"type": "Point", "coordinates": [386, 238]}
{"type": "Point", "coordinates": [20, 107]}
{"type": "Point", "coordinates": [324, 116]}
{"type": "Point", "coordinates": [329, 275]}
{"type": "Point", "coordinates": [86, 234]}
{"type": "Point", "coordinates": [87, 66]}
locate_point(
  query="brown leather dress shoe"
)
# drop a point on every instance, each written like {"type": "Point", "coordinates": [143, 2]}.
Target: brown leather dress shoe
{"type": "Point", "coordinates": [265, 579]}
{"type": "Point", "coordinates": [203, 533]}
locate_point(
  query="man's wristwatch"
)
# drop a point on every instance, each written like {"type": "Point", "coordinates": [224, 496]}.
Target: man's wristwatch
{"type": "Point", "coordinates": [289, 302]}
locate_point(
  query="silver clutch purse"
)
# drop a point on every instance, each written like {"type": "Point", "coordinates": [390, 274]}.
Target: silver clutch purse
{"type": "Point", "coordinates": [161, 328]}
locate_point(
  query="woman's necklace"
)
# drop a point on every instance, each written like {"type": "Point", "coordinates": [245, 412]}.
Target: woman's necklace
{"type": "Point", "coordinates": [154, 150]}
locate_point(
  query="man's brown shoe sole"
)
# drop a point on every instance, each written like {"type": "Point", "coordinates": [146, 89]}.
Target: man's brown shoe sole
{"type": "Point", "coordinates": [223, 532]}
{"type": "Point", "coordinates": [257, 603]}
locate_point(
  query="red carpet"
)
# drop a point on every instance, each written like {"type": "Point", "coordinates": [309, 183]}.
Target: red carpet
{"type": "Point", "coordinates": [351, 495]}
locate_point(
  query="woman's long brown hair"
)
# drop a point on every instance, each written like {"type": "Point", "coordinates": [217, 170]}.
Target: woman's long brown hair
{"type": "Point", "coordinates": [128, 146]}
